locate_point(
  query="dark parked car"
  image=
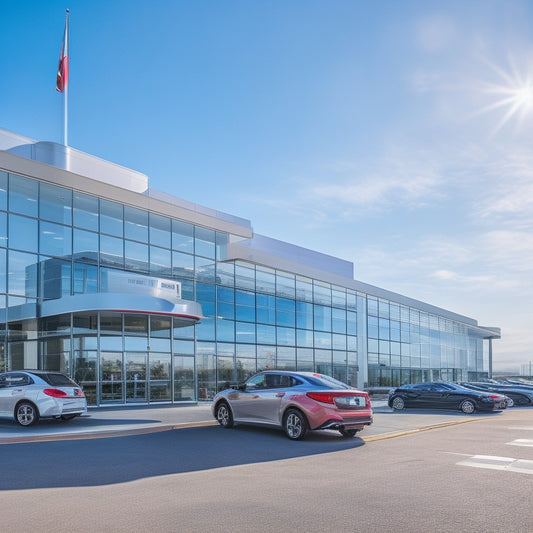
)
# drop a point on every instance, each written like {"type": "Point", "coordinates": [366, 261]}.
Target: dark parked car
{"type": "Point", "coordinates": [517, 394]}
{"type": "Point", "coordinates": [444, 396]}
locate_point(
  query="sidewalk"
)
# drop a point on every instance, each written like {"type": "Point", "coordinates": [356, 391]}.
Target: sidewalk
{"type": "Point", "coordinates": [132, 420]}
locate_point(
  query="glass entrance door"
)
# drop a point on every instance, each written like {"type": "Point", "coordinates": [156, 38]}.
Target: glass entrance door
{"type": "Point", "coordinates": [135, 367]}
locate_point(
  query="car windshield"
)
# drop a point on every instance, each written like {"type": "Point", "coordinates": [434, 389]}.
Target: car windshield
{"type": "Point", "coordinates": [326, 381]}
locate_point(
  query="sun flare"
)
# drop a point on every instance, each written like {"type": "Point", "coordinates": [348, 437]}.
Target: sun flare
{"type": "Point", "coordinates": [514, 95]}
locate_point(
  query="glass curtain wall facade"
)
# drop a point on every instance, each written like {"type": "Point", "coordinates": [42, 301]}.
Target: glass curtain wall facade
{"type": "Point", "coordinates": [56, 242]}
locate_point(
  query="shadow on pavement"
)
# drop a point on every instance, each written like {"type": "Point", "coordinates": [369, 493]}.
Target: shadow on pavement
{"type": "Point", "coordinates": [121, 459]}
{"type": "Point", "coordinates": [76, 423]}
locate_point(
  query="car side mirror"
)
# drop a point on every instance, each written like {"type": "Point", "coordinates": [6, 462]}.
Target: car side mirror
{"type": "Point", "coordinates": [241, 386]}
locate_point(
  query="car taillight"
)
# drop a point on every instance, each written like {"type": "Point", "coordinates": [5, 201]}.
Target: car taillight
{"type": "Point", "coordinates": [329, 397]}
{"type": "Point", "coordinates": [495, 396]}
{"type": "Point", "coordinates": [78, 392]}
{"type": "Point", "coordinates": [55, 393]}
{"type": "Point", "coordinates": [324, 397]}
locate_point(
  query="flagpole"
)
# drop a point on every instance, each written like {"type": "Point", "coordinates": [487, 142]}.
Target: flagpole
{"type": "Point", "coordinates": [65, 114]}
{"type": "Point", "coordinates": [62, 77]}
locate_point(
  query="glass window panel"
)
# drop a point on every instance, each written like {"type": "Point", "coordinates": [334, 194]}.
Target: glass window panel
{"type": "Point", "coordinates": [3, 229]}
{"type": "Point", "coordinates": [338, 298]}
{"type": "Point", "coordinates": [160, 327]}
{"type": "Point", "coordinates": [265, 280]}
{"type": "Point", "coordinates": [182, 237]}
{"type": "Point", "coordinates": [85, 212]}
{"type": "Point", "coordinates": [22, 274]}
{"type": "Point", "coordinates": [184, 382]}
{"type": "Point", "coordinates": [266, 315]}
{"type": "Point", "coordinates": [3, 193]}
{"type": "Point", "coordinates": [55, 278]}
{"type": "Point", "coordinates": [245, 332]}
{"type": "Point", "coordinates": [110, 323]}
{"type": "Point", "coordinates": [135, 224]}
{"type": "Point", "coordinates": [304, 315]}
{"type": "Point", "coordinates": [111, 343]}
{"type": "Point", "coordinates": [322, 339]}
{"type": "Point", "coordinates": [222, 240]}
{"type": "Point", "coordinates": [245, 298]}
{"type": "Point", "coordinates": [23, 195]}
{"type": "Point", "coordinates": [135, 344]}
{"type": "Point", "coordinates": [304, 337]}
{"type": "Point", "coordinates": [304, 289]}
{"type": "Point", "coordinates": [286, 336]}
{"type": "Point", "coordinates": [182, 265]}
{"type": "Point", "coordinates": [111, 251]}
{"type": "Point", "coordinates": [136, 324]}
{"type": "Point", "coordinates": [85, 279]}
{"type": "Point", "coordinates": [23, 233]}
{"type": "Point", "coordinates": [225, 310]}
{"type": "Point", "coordinates": [372, 307]}
{"type": "Point", "coordinates": [321, 293]}
{"type": "Point", "coordinates": [55, 239]}
{"type": "Point", "coordinates": [338, 320]}
{"type": "Point", "coordinates": [322, 317]}
{"type": "Point", "coordinates": [160, 262]}
{"type": "Point", "coordinates": [205, 269]}
{"type": "Point", "coordinates": [244, 277]}
{"type": "Point", "coordinates": [266, 334]}
{"type": "Point", "coordinates": [183, 347]}
{"type": "Point", "coordinates": [205, 330]}
{"type": "Point", "coordinates": [245, 313]}
{"type": "Point", "coordinates": [204, 242]}
{"type": "Point", "coordinates": [85, 246]}
{"type": "Point", "coordinates": [284, 318]}
{"type": "Point", "coordinates": [351, 342]}
{"type": "Point", "coordinates": [285, 285]}
{"type": "Point", "coordinates": [225, 273]}
{"type": "Point", "coordinates": [160, 230]}
{"type": "Point", "coordinates": [159, 345]}
{"type": "Point", "coordinates": [339, 342]}
{"type": "Point", "coordinates": [351, 323]}
{"type": "Point", "coordinates": [264, 300]}
{"type": "Point", "coordinates": [111, 218]}
{"type": "Point", "coordinates": [266, 357]}
{"type": "Point", "coordinates": [225, 294]}
{"type": "Point", "coordinates": [225, 330]}
{"type": "Point", "coordinates": [351, 300]}
{"type": "Point", "coordinates": [55, 204]}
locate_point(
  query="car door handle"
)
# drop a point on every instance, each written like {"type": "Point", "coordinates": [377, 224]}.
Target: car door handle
{"type": "Point", "coordinates": [280, 394]}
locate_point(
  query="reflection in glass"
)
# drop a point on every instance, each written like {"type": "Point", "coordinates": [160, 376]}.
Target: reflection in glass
{"type": "Point", "coordinates": [85, 213]}
{"type": "Point", "coordinates": [23, 195]}
{"type": "Point", "coordinates": [23, 233]}
{"type": "Point", "coordinates": [55, 204]}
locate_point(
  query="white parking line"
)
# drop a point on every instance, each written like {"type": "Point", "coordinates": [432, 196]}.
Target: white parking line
{"type": "Point", "coordinates": [499, 463]}
{"type": "Point", "coordinates": [520, 442]}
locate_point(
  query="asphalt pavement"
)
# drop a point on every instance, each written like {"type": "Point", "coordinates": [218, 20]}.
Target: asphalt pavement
{"type": "Point", "coordinates": [133, 420]}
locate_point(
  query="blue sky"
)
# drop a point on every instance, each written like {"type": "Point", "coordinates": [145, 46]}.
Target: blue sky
{"type": "Point", "coordinates": [397, 135]}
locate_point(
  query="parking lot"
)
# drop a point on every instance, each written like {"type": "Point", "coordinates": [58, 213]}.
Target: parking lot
{"type": "Point", "coordinates": [130, 420]}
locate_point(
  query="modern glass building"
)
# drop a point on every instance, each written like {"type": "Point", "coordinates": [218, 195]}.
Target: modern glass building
{"type": "Point", "coordinates": [143, 297]}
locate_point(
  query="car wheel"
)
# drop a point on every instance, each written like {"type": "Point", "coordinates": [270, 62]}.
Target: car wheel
{"type": "Point", "coordinates": [398, 404]}
{"type": "Point", "coordinates": [510, 402]}
{"type": "Point", "coordinates": [468, 407]}
{"type": "Point", "coordinates": [348, 432]}
{"type": "Point", "coordinates": [294, 424]}
{"type": "Point", "coordinates": [524, 401]}
{"type": "Point", "coordinates": [224, 416]}
{"type": "Point", "coordinates": [26, 414]}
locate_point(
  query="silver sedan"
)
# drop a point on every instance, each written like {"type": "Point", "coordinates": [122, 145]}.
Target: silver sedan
{"type": "Point", "coordinates": [27, 396]}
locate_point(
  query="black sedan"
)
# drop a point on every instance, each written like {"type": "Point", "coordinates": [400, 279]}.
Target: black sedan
{"type": "Point", "coordinates": [444, 396]}
{"type": "Point", "coordinates": [516, 394]}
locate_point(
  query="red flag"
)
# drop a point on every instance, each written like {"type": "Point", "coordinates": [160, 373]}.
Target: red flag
{"type": "Point", "coordinates": [62, 69]}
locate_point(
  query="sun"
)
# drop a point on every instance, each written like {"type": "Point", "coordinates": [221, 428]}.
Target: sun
{"type": "Point", "coordinates": [514, 95]}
